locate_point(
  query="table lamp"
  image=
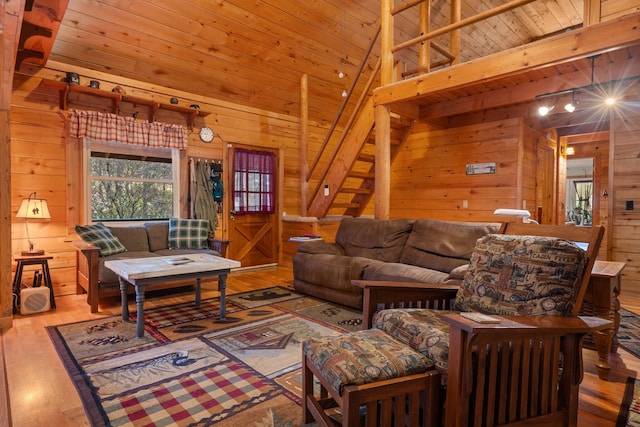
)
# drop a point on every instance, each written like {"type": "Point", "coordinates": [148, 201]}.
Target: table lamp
{"type": "Point", "coordinates": [518, 213]}
{"type": "Point", "coordinates": [33, 208]}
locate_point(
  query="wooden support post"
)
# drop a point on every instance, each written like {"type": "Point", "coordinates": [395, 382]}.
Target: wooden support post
{"type": "Point", "coordinates": [592, 12]}
{"type": "Point", "coordinates": [304, 144]}
{"type": "Point", "coordinates": [386, 42]}
{"type": "Point", "coordinates": [11, 15]}
{"type": "Point", "coordinates": [424, 51]}
{"type": "Point", "coordinates": [454, 37]}
{"type": "Point", "coordinates": [383, 161]}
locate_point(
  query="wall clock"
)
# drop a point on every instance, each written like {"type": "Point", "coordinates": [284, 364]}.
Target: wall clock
{"type": "Point", "coordinates": [206, 134]}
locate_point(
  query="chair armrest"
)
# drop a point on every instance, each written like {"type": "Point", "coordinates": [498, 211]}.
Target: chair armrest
{"type": "Point", "coordinates": [529, 325]}
{"type": "Point", "coordinates": [378, 295]}
{"type": "Point", "coordinates": [83, 246]}
{"type": "Point", "coordinates": [540, 356]}
{"type": "Point", "coordinates": [87, 260]}
{"type": "Point", "coordinates": [219, 245]}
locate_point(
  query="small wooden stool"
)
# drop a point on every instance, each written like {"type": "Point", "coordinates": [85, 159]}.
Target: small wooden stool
{"type": "Point", "coordinates": [368, 377]}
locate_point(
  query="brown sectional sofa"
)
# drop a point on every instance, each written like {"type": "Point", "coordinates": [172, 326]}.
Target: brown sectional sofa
{"type": "Point", "coordinates": [398, 250]}
{"type": "Point", "coordinates": [148, 240]}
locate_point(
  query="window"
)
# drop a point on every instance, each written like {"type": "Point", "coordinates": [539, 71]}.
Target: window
{"type": "Point", "coordinates": [126, 182]}
{"type": "Point", "coordinates": [254, 182]}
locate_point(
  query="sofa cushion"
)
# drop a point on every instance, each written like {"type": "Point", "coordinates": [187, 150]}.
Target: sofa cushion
{"type": "Point", "coordinates": [362, 357]}
{"type": "Point", "coordinates": [100, 235]}
{"type": "Point", "coordinates": [443, 245]}
{"type": "Point", "coordinates": [158, 235]}
{"type": "Point", "coordinates": [133, 238]}
{"type": "Point", "coordinates": [188, 233]}
{"type": "Point", "coordinates": [522, 275]}
{"type": "Point", "coordinates": [373, 238]}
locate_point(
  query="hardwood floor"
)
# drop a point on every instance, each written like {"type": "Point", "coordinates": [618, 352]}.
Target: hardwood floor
{"type": "Point", "coordinates": [42, 394]}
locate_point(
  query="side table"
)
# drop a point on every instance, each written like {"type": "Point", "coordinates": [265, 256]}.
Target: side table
{"type": "Point", "coordinates": [43, 261]}
{"type": "Point", "coordinates": [601, 300]}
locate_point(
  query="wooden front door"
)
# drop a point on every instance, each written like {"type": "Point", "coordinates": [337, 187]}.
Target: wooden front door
{"type": "Point", "coordinates": [253, 235]}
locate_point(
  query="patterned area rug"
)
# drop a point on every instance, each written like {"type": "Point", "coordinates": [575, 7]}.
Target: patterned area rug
{"type": "Point", "coordinates": [629, 332]}
{"type": "Point", "coordinates": [193, 370]}
{"type": "Point", "coordinates": [629, 415]}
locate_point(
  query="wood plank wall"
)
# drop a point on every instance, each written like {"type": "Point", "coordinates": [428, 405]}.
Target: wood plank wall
{"type": "Point", "coordinates": [429, 180]}
{"type": "Point", "coordinates": [39, 157]}
{"type": "Point", "coordinates": [626, 176]}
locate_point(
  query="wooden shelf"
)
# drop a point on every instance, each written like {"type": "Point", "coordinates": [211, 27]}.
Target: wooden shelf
{"type": "Point", "coordinates": [117, 98]}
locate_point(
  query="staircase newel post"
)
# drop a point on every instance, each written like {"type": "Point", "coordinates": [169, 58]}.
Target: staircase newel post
{"type": "Point", "coordinates": [383, 161]}
{"type": "Point", "coordinates": [386, 42]}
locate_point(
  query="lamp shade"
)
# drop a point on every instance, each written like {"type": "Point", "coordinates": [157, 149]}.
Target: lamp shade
{"type": "Point", "coordinates": [33, 209]}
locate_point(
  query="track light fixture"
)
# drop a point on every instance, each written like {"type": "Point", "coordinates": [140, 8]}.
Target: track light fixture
{"type": "Point", "coordinates": [595, 88]}
{"type": "Point", "coordinates": [571, 106]}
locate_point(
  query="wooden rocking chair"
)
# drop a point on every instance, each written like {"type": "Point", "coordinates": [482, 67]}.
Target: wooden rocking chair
{"type": "Point", "coordinates": [524, 370]}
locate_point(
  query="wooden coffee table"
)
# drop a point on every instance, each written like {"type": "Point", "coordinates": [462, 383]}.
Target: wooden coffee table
{"type": "Point", "coordinates": [141, 272]}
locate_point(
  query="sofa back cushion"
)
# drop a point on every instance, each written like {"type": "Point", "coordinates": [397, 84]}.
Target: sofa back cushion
{"type": "Point", "coordinates": [374, 238]}
{"type": "Point", "coordinates": [443, 245]}
{"type": "Point", "coordinates": [522, 275]}
{"type": "Point", "coordinates": [158, 235]}
{"type": "Point", "coordinates": [133, 238]}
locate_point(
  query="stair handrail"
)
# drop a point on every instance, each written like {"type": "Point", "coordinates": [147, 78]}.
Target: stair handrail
{"type": "Point", "coordinates": [338, 117]}
{"type": "Point", "coordinates": [345, 101]}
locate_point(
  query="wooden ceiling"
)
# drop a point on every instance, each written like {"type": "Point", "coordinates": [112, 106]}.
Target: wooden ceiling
{"type": "Point", "coordinates": [254, 53]}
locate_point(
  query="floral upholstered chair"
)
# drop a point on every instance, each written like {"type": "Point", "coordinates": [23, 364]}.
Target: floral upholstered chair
{"type": "Point", "coordinates": [527, 365]}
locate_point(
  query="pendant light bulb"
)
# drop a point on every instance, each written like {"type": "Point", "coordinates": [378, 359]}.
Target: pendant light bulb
{"type": "Point", "coordinates": [344, 93]}
{"type": "Point", "coordinates": [341, 75]}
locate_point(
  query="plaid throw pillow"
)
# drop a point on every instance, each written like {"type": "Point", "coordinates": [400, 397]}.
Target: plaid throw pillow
{"type": "Point", "coordinates": [188, 233]}
{"type": "Point", "coordinates": [99, 235]}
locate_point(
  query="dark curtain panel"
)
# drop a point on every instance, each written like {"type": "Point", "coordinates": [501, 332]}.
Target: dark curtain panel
{"type": "Point", "coordinates": [254, 182]}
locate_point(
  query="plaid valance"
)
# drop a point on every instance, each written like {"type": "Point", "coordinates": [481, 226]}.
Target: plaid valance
{"type": "Point", "coordinates": [111, 127]}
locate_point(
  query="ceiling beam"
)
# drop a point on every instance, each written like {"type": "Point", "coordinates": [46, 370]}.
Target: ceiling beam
{"type": "Point", "coordinates": [566, 47]}
{"type": "Point", "coordinates": [630, 67]}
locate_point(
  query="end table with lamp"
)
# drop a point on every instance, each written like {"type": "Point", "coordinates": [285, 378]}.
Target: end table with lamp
{"type": "Point", "coordinates": [33, 208]}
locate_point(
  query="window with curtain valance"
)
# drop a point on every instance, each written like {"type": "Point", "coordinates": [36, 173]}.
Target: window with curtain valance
{"type": "Point", "coordinates": [111, 127]}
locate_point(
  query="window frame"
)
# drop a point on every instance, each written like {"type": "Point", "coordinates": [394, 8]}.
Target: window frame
{"type": "Point", "coordinates": [245, 192]}
{"type": "Point", "coordinates": [90, 144]}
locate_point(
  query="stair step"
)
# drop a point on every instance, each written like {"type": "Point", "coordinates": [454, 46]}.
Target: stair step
{"type": "Point", "coordinates": [355, 190]}
{"type": "Point", "coordinates": [363, 157]}
{"type": "Point", "coordinates": [363, 175]}
{"type": "Point", "coordinates": [345, 205]}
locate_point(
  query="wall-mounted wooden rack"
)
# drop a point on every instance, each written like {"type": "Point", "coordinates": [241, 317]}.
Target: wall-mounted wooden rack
{"type": "Point", "coordinates": [118, 98]}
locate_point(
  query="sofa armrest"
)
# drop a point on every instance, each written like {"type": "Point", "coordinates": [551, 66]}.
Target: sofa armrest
{"type": "Point", "coordinates": [219, 245]}
{"type": "Point", "coordinates": [544, 354]}
{"type": "Point", "coordinates": [320, 247]}
{"type": "Point", "coordinates": [381, 295]}
{"type": "Point", "coordinates": [87, 259]}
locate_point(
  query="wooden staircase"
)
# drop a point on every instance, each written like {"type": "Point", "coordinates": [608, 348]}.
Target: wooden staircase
{"type": "Point", "coordinates": [350, 177]}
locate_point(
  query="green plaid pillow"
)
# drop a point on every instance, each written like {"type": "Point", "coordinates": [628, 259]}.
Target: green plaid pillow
{"type": "Point", "coordinates": [99, 235]}
{"type": "Point", "coordinates": [188, 233]}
